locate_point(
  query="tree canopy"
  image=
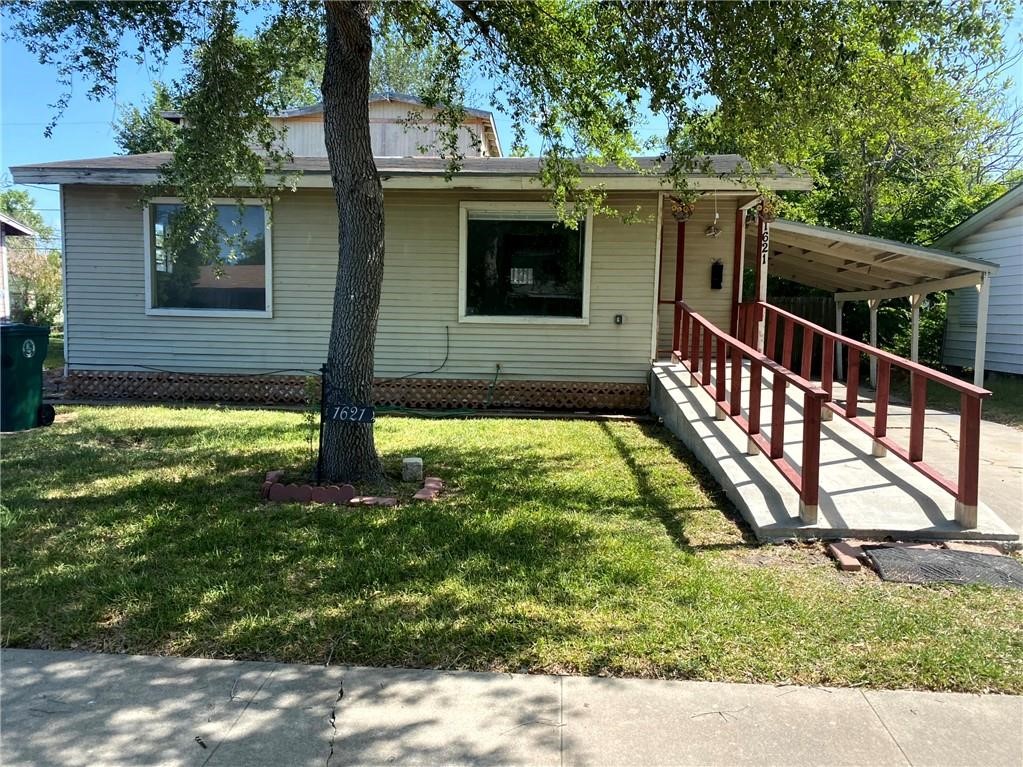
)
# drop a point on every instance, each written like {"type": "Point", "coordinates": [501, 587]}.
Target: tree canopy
{"type": "Point", "coordinates": [756, 76]}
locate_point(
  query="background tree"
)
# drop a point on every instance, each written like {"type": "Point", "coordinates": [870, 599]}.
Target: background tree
{"type": "Point", "coordinates": [33, 269]}
{"type": "Point", "coordinates": [578, 73]}
{"type": "Point", "coordinates": [143, 129]}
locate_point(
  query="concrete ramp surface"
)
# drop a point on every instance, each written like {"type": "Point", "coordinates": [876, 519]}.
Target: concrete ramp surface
{"type": "Point", "coordinates": [860, 495]}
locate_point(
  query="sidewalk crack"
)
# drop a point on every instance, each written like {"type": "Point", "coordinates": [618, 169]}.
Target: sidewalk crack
{"type": "Point", "coordinates": [333, 722]}
{"type": "Point", "coordinates": [245, 708]}
{"type": "Point", "coordinates": [884, 724]}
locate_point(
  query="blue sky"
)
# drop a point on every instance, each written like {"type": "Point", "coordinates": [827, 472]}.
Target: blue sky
{"type": "Point", "coordinates": [28, 89]}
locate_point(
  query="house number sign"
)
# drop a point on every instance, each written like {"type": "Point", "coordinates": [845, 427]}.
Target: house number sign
{"type": "Point", "coordinates": [350, 413]}
{"type": "Point", "coordinates": [337, 405]}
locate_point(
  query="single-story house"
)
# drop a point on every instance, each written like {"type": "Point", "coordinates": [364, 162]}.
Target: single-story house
{"type": "Point", "coordinates": [994, 233]}
{"type": "Point", "coordinates": [9, 227]}
{"type": "Point", "coordinates": [487, 298]}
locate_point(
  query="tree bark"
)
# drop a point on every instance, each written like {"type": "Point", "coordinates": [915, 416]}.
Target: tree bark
{"type": "Point", "coordinates": [349, 453]}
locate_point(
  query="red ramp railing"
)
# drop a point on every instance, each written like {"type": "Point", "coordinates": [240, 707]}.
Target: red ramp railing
{"type": "Point", "coordinates": [780, 323]}
{"type": "Point", "coordinates": [699, 344]}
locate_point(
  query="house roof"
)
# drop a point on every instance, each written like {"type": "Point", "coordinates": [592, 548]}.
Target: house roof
{"type": "Point", "coordinates": [856, 266]}
{"type": "Point", "coordinates": [720, 172]}
{"type": "Point", "coordinates": [990, 212]}
{"type": "Point", "coordinates": [14, 227]}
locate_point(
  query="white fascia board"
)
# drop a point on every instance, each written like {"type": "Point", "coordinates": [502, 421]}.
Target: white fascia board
{"type": "Point", "coordinates": [415, 181]}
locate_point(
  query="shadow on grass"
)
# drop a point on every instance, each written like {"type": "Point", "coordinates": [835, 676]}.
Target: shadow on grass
{"type": "Point", "coordinates": [674, 517]}
{"type": "Point", "coordinates": [153, 539]}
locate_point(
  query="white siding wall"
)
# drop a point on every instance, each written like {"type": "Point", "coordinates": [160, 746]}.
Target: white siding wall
{"type": "Point", "coordinates": [999, 241]}
{"type": "Point", "coordinates": [107, 327]}
{"type": "Point", "coordinates": [700, 252]}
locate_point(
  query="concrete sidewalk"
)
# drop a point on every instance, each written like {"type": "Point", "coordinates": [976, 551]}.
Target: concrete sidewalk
{"type": "Point", "coordinates": [64, 708]}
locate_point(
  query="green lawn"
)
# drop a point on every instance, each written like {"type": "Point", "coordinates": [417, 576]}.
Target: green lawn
{"type": "Point", "coordinates": [565, 546]}
{"type": "Point", "coordinates": [55, 351]}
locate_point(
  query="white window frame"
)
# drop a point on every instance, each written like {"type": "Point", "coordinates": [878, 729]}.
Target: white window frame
{"type": "Point", "coordinates": [544, 212]}
{"type": "Point", "coordinates": [150, 256]}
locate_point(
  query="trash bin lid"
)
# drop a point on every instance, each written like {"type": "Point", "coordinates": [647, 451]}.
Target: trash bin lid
{"type": "Point", "coordinates": [21, 329]}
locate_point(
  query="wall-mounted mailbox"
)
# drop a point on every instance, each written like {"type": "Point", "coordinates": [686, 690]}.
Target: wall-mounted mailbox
{"type": "Point", "coordinates": [717, 275]}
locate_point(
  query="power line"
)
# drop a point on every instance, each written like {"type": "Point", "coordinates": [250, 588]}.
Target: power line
{"type": "Point", "coordinates": [70, 122]}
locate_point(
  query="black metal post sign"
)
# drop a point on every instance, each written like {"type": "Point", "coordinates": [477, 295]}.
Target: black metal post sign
{"type": "Point", "coordinates": [336, 405]}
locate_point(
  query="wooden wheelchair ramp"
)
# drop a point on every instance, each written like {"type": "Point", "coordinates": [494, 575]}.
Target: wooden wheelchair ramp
{"type": "Point", "coordinates": [796, 463]}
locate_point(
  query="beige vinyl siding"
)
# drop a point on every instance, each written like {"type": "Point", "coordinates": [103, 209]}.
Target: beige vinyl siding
{"type": "Point", "coordinates": [700, 252]}
{"type": "Point", "coordinates": [1000, 241]}
{"type": "Point", "coordinates": [107, 327]}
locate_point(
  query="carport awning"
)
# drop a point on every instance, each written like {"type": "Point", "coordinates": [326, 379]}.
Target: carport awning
{"type": "Point", "coordinates": [858, 267]}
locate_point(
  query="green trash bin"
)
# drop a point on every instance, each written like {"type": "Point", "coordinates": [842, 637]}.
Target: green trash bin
{"type": "Point", "coordinates": [22, 351]}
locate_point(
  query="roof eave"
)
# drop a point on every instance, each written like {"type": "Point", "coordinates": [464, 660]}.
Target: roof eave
{"type": "Point", "coordinates": [20, 229]}
{"type": "Point", "coordinates": [27, 174]}
{"type": "Point", "coordinates": [991, 212]}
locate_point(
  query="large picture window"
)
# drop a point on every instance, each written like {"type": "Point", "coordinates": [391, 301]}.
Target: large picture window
{"type": "Point", "coordinates": [520, 263]}
{"type": "Point", "coordinates": [235, 280]}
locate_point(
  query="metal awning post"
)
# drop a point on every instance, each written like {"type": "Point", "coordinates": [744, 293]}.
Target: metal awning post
{"type": "Point", "coordinates": [873, 304]}
{"type": "Point", "coordinates": [981, 343]}
{"type": "Point", "coordinates": [839, 364]}
{"type": "Point", "coordinates": [914, 340]}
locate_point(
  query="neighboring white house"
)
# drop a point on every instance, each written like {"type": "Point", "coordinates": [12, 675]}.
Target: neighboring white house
{"type": "Point", "coordinates": [9, 227]}
{"type": "Point", "coordinates": [484, 290]}
{"type": "Point", "coordinates": [994, 234]}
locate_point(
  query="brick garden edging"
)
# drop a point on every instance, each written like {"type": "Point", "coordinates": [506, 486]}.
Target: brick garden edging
{"type": "Point", "coordinates": [275, 491]}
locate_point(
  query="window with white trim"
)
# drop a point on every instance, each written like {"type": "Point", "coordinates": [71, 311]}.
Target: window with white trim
{"type": "Point", "coordinates": [236, 280]}
{"type": "Point", "coordinates": [519, 262]}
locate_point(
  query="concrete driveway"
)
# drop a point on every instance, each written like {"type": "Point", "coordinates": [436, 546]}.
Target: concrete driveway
{"type": "Point", "coordinates": [1001, 457]}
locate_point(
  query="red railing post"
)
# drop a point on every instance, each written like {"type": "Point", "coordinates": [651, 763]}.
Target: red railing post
{"type": "Point", "coordinates": [828, 365]}
{"type": "Point", "coordinates": [770, 340]}
{"type": "Point", "coordinates": [777, 415]}
{"type": "Point", "coordinates": [827, 373]}
{"type": "Point", "coordinates": [884, 377]}
{"type": "Point", "coordinates": [719, 378]}
{"type": "Point", "coordinates": [735, 391]}
{"type": "Point", "coordinates": [694, 351]}
{"type": "Point", "coordinates": [852, 382]}
{"type": "Point", "coordinates": [788, 329]}
{"type": "Point", "coordinates": [705, 380]}
{"type": "Point", "coordinates": [807, 353]}
{"type": "Point", "coordinates": [917, 408]}
{"type": "Point", "coordinates": [809, 489]}
{"type": "Point", "coordinates": [756, 372]}
{"type": "Point", "coordinates": [682, 342]}
{"type": "Point", "coordinates": [969, 460]}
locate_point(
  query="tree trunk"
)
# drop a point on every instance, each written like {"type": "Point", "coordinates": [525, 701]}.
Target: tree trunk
{"type": "Point", "coordinates": [349, 453]}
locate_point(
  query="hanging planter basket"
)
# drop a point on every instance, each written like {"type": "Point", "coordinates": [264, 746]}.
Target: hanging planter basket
{"type": "Point", "coordinates": [681, 210]}
{"type": "Point", "coordinates": [768, 211]}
